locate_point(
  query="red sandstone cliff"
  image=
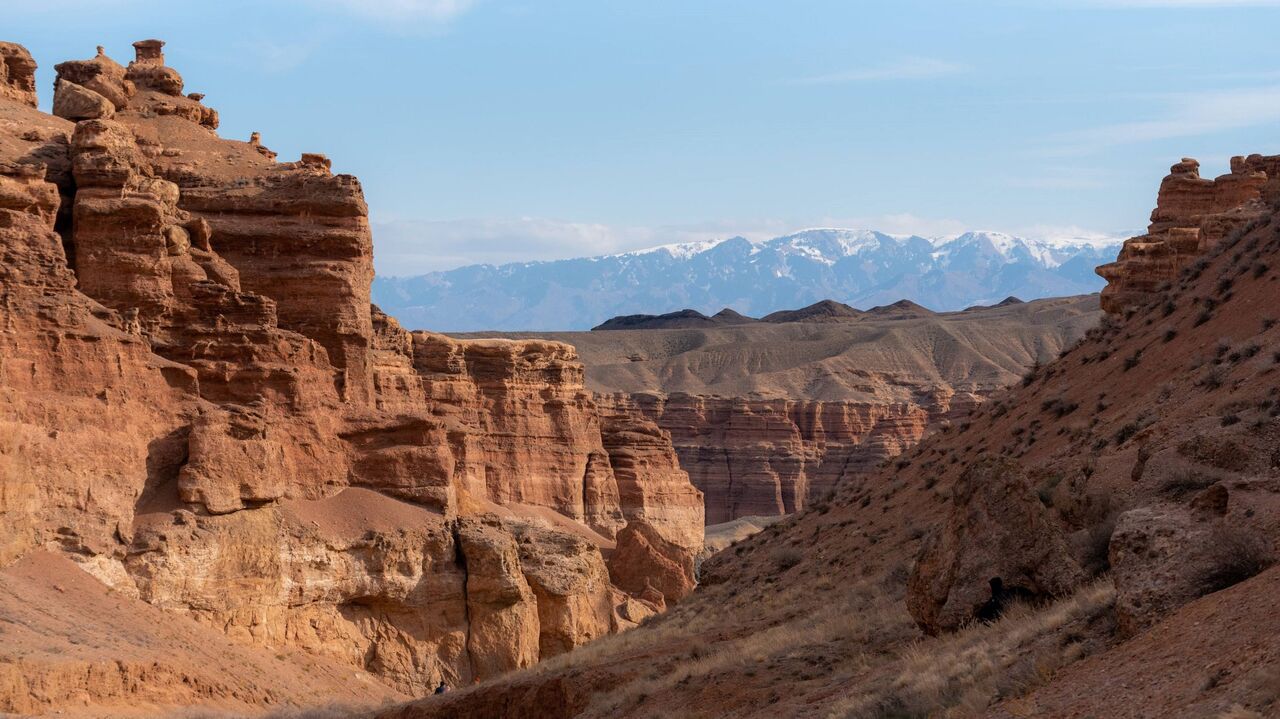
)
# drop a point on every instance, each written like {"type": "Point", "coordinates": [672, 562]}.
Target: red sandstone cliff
{"type": "Point", "coordinates": [199, 406]}
{"type": "Point", "coordinates": [765, 457]}
{"type": "Point", "coordinates": [1192, 216]}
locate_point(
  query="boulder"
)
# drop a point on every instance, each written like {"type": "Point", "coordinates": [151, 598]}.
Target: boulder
{"type": "Point", "coordinates": [1165, 555]}
{"type": "Point", "coordinates": [233, 463]}
{"type": "Point", "coordinates": [998, 542]}
{"type": "Point", "coordinates": [100, 74]}
{"type": "Point", "coordinates": [75, 102]}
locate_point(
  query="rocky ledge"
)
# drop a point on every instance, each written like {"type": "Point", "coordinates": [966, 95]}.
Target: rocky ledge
{"type": "Point", "coordinates": [1193, 215]}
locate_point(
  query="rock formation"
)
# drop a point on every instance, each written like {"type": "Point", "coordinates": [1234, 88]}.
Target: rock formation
{"type": "Point", "coordinates": [762, 457]}
{"type": "Point", "coordinates": [1192, 216]}
{"type": "Point", "coordinates": [200, 407]}
{"type": "Point", "coordinates": [17, 74]}
{"type": "Point", "coordinates": [998, 543]}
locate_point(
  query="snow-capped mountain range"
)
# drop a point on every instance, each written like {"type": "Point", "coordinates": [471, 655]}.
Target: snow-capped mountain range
{"type": "Point", "coordinates": [862, 268]}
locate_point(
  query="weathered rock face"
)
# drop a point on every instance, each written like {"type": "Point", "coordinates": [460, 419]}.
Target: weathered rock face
{"type": "Point", "coordinates": [659, 546]}
{"type": "Point", "coordinates": [1191, 217]}
{"type": "Point", "coordinates": [998, 537]}
{"type": "Point", "coordinates": [100, 75]}
{"type": "Point", "coordinates": [17, 74]}
{"type": "Point", "coordinates": [533, 434]}
{"type": "Point", "coordinates": [765, 457]}
{"type": "Point", "coordinates": [200, 407]}
{"type": "Point", "coordinates": [1165, 555]}
{"type": "Point", "coordinates": [75, 102]}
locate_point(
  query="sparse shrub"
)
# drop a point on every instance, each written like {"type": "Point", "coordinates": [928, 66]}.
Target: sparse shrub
{"type": "Point", "coordinates": [1213, 379]}
{"type": "Point", "coordinates": [1170, 333]}
{"type": "Point", "coordinates": [1132, 360]}
{"type": "Point", "coordinates": [1259, 270]}
{"type": "Point", "coordinates": [787, 557]}
{"type": "Point", "coordinates": [1139, 423]}
{"type": "Point", "coordinates": [1059, 407]}
{"type": "Point", "coordinates": [1184, 483]}
{"type": "Point", "coordinates": [1046, 488]}
{"type": "Point", "coordinates": [1031, 374]}
{"type": "Point", "coordinates": [1239, 553]}
{"type": "Point", "coordinates": [1204, 317]}
{"type": "Point", "coordinates": [1220, 452]}
{"type": "Point", "coordinates": [1230, 419]}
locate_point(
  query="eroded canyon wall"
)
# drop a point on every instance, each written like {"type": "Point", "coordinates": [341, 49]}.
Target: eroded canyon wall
{"type": "Point", "coordinates": [765, 457]}
{"type": "Point", "coordinates": [199, 406]}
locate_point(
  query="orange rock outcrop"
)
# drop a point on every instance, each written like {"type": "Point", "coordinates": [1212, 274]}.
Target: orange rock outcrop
{"type": "Point", "coordinates": [1192, 216]}
{"type": "Point", "coordinates": [200, 407]}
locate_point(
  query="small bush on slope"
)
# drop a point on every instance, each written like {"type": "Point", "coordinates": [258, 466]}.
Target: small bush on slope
{"type": "Point", "coordinates": [1239, 554]}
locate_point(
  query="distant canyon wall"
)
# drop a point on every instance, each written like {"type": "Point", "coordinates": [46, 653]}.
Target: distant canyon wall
{"type": "Point", "coordinates": [765, 457]}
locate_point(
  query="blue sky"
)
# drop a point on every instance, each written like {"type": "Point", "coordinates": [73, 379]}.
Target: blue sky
{"type": "Point", "coordinates": [496, 130]}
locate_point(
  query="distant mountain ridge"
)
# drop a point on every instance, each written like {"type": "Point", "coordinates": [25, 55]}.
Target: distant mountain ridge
{"type": "Point", "coordinates": [858, 268]}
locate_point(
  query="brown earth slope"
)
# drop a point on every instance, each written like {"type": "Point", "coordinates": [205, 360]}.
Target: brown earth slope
{"type": "Point", "coordinates": [200, 410]}
{"type": "Point", "coordinates": [1123, 495]}
{"type": "Point", "coordinates": [766, 417]}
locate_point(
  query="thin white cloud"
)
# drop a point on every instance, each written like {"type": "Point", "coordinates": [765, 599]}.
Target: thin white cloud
{"type": "Point", "coordinates": [1062, 178]}
{"type": "Point", "coordinates": [393, 12]}
{"type": "Point", "coordinates": [1181, 3]}
{"type": "Point", "coordinates": [53, 7]}
{"type": "Point", "coordinates": [435, 11]}
{"type": "Point", "coordinates": [1183, 115]}
{"type": "Point", "coordinates": [274, 55]}
{"type": "Point", "coordinates": [1053, 233]}
{"type": "Point", "coordinates": [901, 223]}
{"type": "Point", "coordinates": [909, 68]}
{"type": "Point", "coordinates": [407, 247]}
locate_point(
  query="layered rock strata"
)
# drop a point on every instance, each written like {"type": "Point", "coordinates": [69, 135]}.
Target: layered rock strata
{"type": "Point", "coordinates": [200, 407]}
{"type": "Point", "coordinates": [764, 457]}
{"type": "Point", "coordinates": [1192, 216]}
